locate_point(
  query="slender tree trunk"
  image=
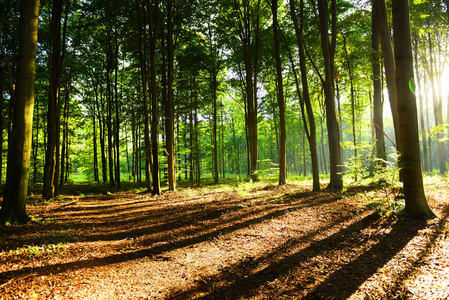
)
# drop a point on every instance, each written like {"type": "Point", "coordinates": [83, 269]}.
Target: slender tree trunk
{"type": "Point", "coordinates": [336, 180]}
{"type": "Point", "coordinates": [143, 73]}
{"type": "Point", "coordinates": [53, 101]}
{"type": "Point", "coordinates": [429, 134]}
{"type": "Point", "coordinates": [154, 24]}
{"type": "Point", "coordinates": [322, 146]}
{"type": "Point", "coordinates": [215, 144]}
{"type": "Point", "coordinates": [351, 81]}
{"type": "Point", "coordinates": [311, 137]}
{"type": "Point", "coordinates": [377, 87]}
{"type": "Point", "coordinates": [388, 56]}
{"type": "Point", "coordinates": [109, 104]}
{"type": "Point", "coordinates": [192, 150]}
{"type": "Point", "coordinates": [117, 114]}
{"type": "Point", "coordinates": [19, 152]}
{"type": "Point", "coordinates": [101, 126]}
{"type": "Point", "coordinates": [1, 127]}
{"type": "Point", "coordinates": [415, 199]}
{"type": "Point", "coordinates": [438, 112]}
{"type": "Point", "coordinates": [419, 96]}
{"type": "Point", "coordinates": [65, 118]}
{"type": "Point", "coordinates": [94, 137]}
{"type": "Point", "coordinates": [280, 98]}
{"type": "Point", "coordinates": [169, 107]}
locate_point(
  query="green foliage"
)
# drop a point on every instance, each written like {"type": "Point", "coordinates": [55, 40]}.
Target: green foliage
{"type": "Point", "coordinates": [386, 177]}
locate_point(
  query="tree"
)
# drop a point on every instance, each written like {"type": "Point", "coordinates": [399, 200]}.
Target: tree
{"type": "Point", "coordinates": [336, 180]}
{"type": "Point", "coordinates": [410, 163]}
{"type": "Point", "coordinates": [377, 88]}
{"type": "Point", "coordinates": [143, 71]}
{"type": "Point", "coordinates": [248, 30]}
{"type": "Point", "coordinates": [388, 56]}
{"type": "Point", "coordinates": [169, 114]}
{"type": "Point", "coordinates": [311, 135]}
{"type": "Point", "coordinates": [154, 24]}
{"type": "Point", "coordinates": [280, 96]}
{"type": "Point", "coordinates": [53, 112]}
{"type": "Point", "coordinates": [19, 151]}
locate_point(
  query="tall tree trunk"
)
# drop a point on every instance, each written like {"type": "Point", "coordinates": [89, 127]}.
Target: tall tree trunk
{"type": "Point", "coordinates": [429, 135]}
{"type": "Point", "coordinates": [336, 180]}
{"type": "Point", "coordinates": [214, 138]}
{"type": "Point", "coordinates": [1, 126]}
{"type": "Point", "coordinates": [65, 118]}
{"type": "Point", "coordinates": [192, 150]}
{"type": "Point", "coordinates": [415, 199]}
{"type": "Point", "coordinates": [53, 101]}
{"type": "Point", "coordinates": [117, 114]}
{"type": "Point", "coordinates": [109, 104]}
{"type": "Point", "coordinates": [419, 96]}
{"type": "Point", "coordinates": [438, 111]}
{"type": "Point", "coordinates": [249, 36]}
{"type": "Point", "coordinates": [101, 126]}
{"type": "Point", "coordinates": [154, 24]}
{"type": "Point", "coordinates": [280, 98]}
{"type": "Point", "coordinates": [388, 56]}
{"type": "Point", "coordinates": [377, 87]}
{"type": "Point", "coordinates": [94, 137]}
{"type": "Point", "coordinates": [19, 151]}
{"type": "Point", "coordinates": [169, 107]}
{"type": "Point", "coordinates": [351, 80]}
{"type": "Point", "coordinates": [311, 136]}
{"type": "Point", "coordinates": [143, 73]}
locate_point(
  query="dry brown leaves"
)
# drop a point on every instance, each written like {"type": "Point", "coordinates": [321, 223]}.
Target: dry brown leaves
{"type": "Point", "coordinates": [266, 242]}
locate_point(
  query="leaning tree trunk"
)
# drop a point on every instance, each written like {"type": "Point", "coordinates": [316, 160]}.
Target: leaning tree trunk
{"type": "Point", "coordinates": [388, 56]}
{"type": "Point", "coordinates": [410, 162]}
{"type": "Point", "coordinates": [19, 151]}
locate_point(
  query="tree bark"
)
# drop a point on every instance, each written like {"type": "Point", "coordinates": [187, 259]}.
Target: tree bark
{"type": "Point", "coordinates": [419, 96]}
{"type": "Point", "coordinates": [53, 101]}
{"type": "Point", "coordinates": [19, 152]}
{"type": "Point", "coordinates": [143, 74]}
{"type": "Point", "coordinates": [311, 137]}
{"type": "Point", "coordinates": [169, 107]}
{"type": "Point", "coordinates": [388, 56]}
{"type": "Point", "coordinates": [336, 180]}
{"type": "Point", "coordinates": [280, 98]}
{"type": "Point", "coordinates": [154, 23]}
{"type": "Point", "coordinates": [377, 87]}
{"type": "Point", "coordinates": [410, 163]}
{"type": "Point", "coordinates": [117, 114]}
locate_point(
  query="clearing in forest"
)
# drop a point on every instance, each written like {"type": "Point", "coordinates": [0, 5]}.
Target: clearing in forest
{"type": "Point", "coordinates": [243, 241]}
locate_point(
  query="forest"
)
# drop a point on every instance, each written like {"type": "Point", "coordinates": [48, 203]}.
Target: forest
{"type": "Point", "coordinates": [234, 149]}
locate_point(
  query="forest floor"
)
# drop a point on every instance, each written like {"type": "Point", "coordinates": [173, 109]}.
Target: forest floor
{"type": "Point", "coordinates": [229, 241]}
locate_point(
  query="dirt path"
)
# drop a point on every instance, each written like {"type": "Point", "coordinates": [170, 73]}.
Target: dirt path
{"type": "Point", "coordinates": [228, 243]}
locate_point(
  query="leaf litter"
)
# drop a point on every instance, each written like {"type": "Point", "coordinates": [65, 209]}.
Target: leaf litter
{"type": "Point", "coordinates": [267, 242]}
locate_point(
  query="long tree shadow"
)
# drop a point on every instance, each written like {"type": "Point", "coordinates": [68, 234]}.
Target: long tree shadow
{"type": "Point", "coordinates": [201, 235]}
{"type": "Point", "coordinates": [398, 289]}
{"type": "Point", "coordinates": [346, 280]}
{"type": "Point", "coordinates": [130, 225]}
{"type": "Point", "coordinates": [240, 281]}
